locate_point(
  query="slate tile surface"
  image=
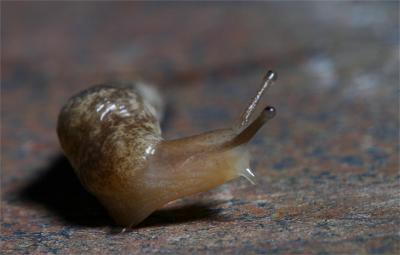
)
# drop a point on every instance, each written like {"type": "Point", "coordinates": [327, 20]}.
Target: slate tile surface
{"type": "Point", "coordinates": [327, 166]}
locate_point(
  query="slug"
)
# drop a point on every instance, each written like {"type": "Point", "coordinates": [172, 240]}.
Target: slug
{"type": "Point", "coordinates": [111, 135]}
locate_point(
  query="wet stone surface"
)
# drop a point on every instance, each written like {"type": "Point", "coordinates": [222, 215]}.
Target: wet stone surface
{"type": "Point", "coordinates": [327, 166]}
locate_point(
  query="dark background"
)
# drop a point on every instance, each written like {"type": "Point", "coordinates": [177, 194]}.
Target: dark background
{"type": "Point", "coordinates": [327, 165]}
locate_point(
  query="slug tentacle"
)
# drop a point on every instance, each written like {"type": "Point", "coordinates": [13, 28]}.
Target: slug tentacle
{"type": "Point", "coordinates": [111, 135]}
{"type": "Point", "coordinates": [269, 78]}
{"type": "Point", "coordinates": [221, 139]}
{"type": "Point", "coordinates": [249, 131]}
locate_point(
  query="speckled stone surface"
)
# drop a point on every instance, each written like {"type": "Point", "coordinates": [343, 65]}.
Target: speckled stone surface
{"type": "Point", "coordinates": [327, 166]}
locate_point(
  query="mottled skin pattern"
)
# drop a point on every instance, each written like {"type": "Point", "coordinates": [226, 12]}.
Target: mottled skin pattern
{"type": "Point", "coordinates": [105, 130]}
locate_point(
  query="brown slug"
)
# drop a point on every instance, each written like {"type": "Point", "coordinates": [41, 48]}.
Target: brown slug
{"type": "Point", "coordinates": [111, 135]}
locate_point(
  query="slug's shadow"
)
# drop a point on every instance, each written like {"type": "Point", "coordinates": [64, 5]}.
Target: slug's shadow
{"type": "Point", "coordinates": [59, 191]}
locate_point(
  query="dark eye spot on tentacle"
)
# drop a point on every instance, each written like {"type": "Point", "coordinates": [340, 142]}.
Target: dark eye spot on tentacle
{"type": "Point", "coordinates": [271, 75]}
{"type": "Point", "coordinates": [270, 111]}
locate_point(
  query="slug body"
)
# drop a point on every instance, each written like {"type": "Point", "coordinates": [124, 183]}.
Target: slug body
{"type": "Point", "coordinates": [111, 135]}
